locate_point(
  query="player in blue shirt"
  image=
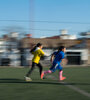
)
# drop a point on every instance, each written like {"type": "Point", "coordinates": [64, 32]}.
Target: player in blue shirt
{"type": "Point", "coordinates": [56, 59]}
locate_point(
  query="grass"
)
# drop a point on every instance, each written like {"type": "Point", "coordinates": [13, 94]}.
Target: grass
{"type": "Point", "coordinates": [13, 86]}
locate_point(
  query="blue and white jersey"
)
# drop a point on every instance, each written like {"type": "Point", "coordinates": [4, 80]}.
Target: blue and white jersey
{"type": "Point", "coordinates": [58, 56]}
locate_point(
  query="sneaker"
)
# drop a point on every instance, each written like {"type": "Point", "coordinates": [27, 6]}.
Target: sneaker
{"type": "Point", "coordinates": [63, 78]}
{"type": "Point", "coordinates": [28, 79]}
{"type": "Point", "coordinates": [42, 75]}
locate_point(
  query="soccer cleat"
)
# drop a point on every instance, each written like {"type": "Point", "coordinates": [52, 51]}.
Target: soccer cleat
{"type": "Point", "coordinates": [42, 75]}
{"type": "Point", "coordinates": [28, 79]}
{"type": "Point", "coordinates": [63, 78]}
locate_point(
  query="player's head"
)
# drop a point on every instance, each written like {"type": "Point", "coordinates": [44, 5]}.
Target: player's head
{"type": "Point", "coordinates": [39, 45]}
{"type": "Point", "coordinates": [62, 48]}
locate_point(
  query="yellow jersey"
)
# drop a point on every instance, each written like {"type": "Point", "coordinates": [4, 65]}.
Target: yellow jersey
{"type": "Point", "coordinates": [37, 54]}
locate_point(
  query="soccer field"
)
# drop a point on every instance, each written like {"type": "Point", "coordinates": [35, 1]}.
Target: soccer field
{"type": "Point", "coordinates": [75, 87]}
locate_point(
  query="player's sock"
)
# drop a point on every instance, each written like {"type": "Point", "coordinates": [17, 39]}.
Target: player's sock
{"type": "Point", "coordinates": [42, 75]}
{"type": "Point", "coordinates": [47, 72]}
{"type": "Point", "coordinates": [61, 76]}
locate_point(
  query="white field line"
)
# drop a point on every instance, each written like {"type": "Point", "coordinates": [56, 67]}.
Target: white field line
{"type": "Point", "coordinates": [71, 87]}
{"type": "Point", "coordinates": [76, 89]}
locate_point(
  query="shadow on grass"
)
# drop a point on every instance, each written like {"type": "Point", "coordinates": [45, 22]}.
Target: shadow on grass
{"type": "Point", "coordinates": [54, 82]}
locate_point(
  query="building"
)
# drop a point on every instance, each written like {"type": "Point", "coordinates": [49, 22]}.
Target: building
{"type": "Point", "coordinates": [64, 35]}
{"type": "Point", "coordinates": [75, 48]}
{"type": "Point", "coordinates": [77, 52]}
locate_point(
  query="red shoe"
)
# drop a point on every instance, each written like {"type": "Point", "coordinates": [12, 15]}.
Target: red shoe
{"type": "Point", "coordinates": [63, 78]}
{"type": "Point", "coordinates": [42, 75]}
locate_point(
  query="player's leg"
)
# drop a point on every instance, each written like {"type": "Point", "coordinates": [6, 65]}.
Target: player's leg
{"type": "Point", "coordinates": [27, 78]}
{"type": "Point", "coordinates": [52, 69]}
{"type": "Point", "coordinates": [40, 68]}
{"type": "Point", "coordinates": [61, 76]}
{"type": "Point", "coordinates": [47, 72]}
{"type": "Point", "coordinates": [32, 68]}
{"type": "Point", "coordinates": [61, 73]}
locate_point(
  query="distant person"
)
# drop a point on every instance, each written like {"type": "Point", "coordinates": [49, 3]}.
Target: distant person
{"type": "Point", "coordinates": [56, 59]}
{"type": "Point", "coordinates": [37, 52]}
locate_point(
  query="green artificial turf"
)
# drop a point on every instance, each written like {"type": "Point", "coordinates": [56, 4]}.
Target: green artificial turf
{"type": "Point", "coordinates": [14, 87]}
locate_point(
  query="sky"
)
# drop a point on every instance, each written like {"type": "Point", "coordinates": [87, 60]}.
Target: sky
{"type": "Point", "coordinates": [45, 17]}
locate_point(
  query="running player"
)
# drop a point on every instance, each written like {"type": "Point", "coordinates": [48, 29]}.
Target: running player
{"type": "Point", "coordinates": [56, 59]}
{"type": "Point", "coordinates": [37, 52]}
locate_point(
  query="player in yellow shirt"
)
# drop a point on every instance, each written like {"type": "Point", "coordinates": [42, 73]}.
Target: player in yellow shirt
{"type": "Point", "coordinates": [37, 52]}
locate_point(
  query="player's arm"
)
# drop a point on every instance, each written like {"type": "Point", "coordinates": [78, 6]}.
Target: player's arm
{"type": "Point", "coordinates": [46, 54]}
{"type": "Point", "coordinates": [32, 52]}
{"type": "Point", "coordinates": [64, 60]}
{"type": "Point", "coordinates": [52, 57]}
{"type": "Point", "coordinates": [42, 53]}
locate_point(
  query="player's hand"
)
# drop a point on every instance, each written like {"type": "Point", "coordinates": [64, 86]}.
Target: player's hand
{"type": "Point", "coordinates": [64, 62]}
